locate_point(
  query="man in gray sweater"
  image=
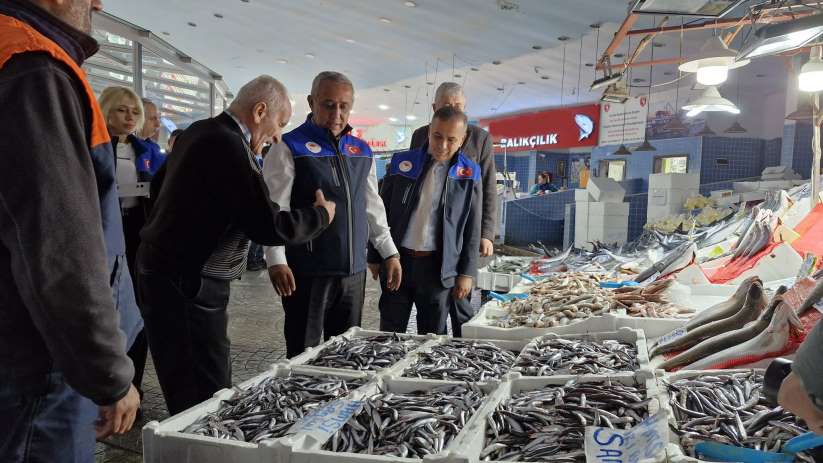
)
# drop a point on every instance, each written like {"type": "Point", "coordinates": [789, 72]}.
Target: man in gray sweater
{"type": "Point", "coordinates": [478, 148]}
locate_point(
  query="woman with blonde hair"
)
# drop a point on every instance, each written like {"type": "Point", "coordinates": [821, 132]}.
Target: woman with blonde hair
{"type": "Point", "coordinates": [136, 161]}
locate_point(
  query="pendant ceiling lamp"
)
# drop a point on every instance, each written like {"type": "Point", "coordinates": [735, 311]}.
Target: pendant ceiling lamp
{"type": "Point", "coordinates": [675, 124]}
{"type": "Point", "coordinates": [646, 146]}
{"type": "Point", "coordinates": [710, 101]}
{"type": "Point", "coordinates": [713, 62]}
{"type": "Point", "coordinates": [811, 75]}
{"type": "Point", "coordinates": [736, 127]}
{"type": "Point", "coordinates": [706, 131]}
{"type": "Point", "coordinates": [802, 113]}
{"type": "Point", "coordinates": [622, 151]}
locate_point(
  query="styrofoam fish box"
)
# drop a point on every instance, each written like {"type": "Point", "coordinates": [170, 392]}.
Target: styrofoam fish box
{"type": "Point", "coordinates": [473, 440]}
{"type": "Point", "coordinates": [398, 374]}
{"type": "Point", "coordinates": [674, 181]}
{"type": "Point", "coordinates": [302, 450]}
{"type": "Point", "coordinates": [627, 335]}
{"type": "Point", "coordinates": [674, 450]}
{"type": "Point", "coordinates": [606, 190]}
{"type": "Point", "coordinates": [500, 282]}
{"type": "Point", "coordinates": [164, 442]}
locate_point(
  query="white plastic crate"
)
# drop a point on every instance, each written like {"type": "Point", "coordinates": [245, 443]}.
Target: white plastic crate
{"type": "Point", "coordinates": [398, 374]}
{"type": "Point", "coordinates": [357, 332]}
{"type": "Point", "coordinates": [303, 450]}
{"type": "Point", "coordinates": [473, 437]}
{"type": "Point", "coordinates": [501, 282]}
{"type": "Point", "coordinates": [627, 335]}
{"type": "Point", "coordinates": [163, 442]}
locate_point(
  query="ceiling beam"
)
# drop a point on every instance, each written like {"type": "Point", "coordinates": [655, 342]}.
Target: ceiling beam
{"type": "Point", "coordinates": [719, 24]}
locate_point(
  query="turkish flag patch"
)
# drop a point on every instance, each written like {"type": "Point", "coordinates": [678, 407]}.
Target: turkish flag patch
{"type": "Point", "coordinates": [464, 172]}
{"type": "Point", "coordinates": [353, 150]}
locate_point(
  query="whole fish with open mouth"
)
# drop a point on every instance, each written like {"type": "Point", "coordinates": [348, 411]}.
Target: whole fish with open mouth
{"type": "Point", "coordinates": [751, 309]}
{"type": "Point", "coordinates": [269, 409]}
{"type": "Point", "coordinates": [549, 424]}
{"type": "Point", "coordinates": [730, 409]}
{"type": "Point", "coordinates": [726, 340]}
{"type": "Point", "coordinates": [408, 425]}
{"type": "Point", "coordinates": [550, 356]}
{"type": "Point", "coordinates": [367, 353]}
{"type": "Point", "coordinates": [462, 361]}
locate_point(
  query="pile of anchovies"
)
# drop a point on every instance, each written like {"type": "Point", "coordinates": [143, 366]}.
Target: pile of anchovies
{"type": "Point", "coordinates": [514, 267]}
{"type": "Point", "coordinates": [269, 409]}
{"type": "Point", "coordinates": [462, 361]}
{"type": "Point", "coordinates": [548, 357]}
{"type": "Point", "coordinates": [368, 353]}
{"type": "Point", "coordinates": [409, 425]}
{"type": "Point", "coordinates": [730, 409]}
{"type": "Point", "coordinates": [549, 424]}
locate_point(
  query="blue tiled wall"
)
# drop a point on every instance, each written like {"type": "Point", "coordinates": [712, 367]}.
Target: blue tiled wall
{"type": "Point", "coordinates": [771, 152]}
{"type": "Point", "coordinates": [638, 206]}
{"type": "Point", "coordinates": [537, 218]}
{"type": "Point", "coordinates": [745, 156]}
{"type": "Point", "coordinates": [787, 147]}
{"type": "Point", "coordinates": [802, 151]}
{"type": "Point", "coordinates": [639, 165]}
{"type": "Point", "coordinates": [521, 163]}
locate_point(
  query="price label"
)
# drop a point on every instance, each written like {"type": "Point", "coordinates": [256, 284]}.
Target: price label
{"type": "Point", "coordinates": [644, 442]}
{"type": "Point", "coordinates": [671, 336]}
{"type": "Point", "coordinates": [323, 422]}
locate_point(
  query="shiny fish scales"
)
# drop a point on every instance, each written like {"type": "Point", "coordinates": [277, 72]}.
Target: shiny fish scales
{"type": "Point", "coordinates": [269, 409]}
{"type": "Point", "coordinates": [548, 357]}
{"type": "Point", "coordinates": [462, 361]}
{"type": "Point", "coordinates": [409, 425]}
{"type": "Point", "coordinates": [549, 424]}
{"type": "Point", "coordinates": [367, 353]}
{"type": "Point", "coordinates": [729, 408]}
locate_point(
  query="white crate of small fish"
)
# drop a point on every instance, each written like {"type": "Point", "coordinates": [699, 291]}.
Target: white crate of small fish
{"type": "Point", "coordinates": [242, 424]}
{"type": "Point", "coordinates": [726, 407]}
{"type": "Point", "coordinates": [622, 352]}
{"type": "Point", "coordinates": [394, 420]}
{"type": "Point", "coordinates": [366, 350]}
{"type": "Point", "coordinates": [575, 303]}
{"type": "Point", "coordinates": [503, 273]}
{"type": "Point", "coordinates": [456, 359]}
{"type": "Point", "coordinates": [544, 418]}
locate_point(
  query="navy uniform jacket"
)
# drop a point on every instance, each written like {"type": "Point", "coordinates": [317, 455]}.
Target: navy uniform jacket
{"type": "Point", "coordinates": [459, 240]}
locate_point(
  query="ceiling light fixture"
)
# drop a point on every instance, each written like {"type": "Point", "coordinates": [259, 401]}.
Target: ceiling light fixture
{"type": "Point", "coordinates": [411, 117]}
{"type": "Point", "coordinates": [706, 131]}
{"type": "Point", "coordinates": [704, 8]}
{"type": "Point", "coordinates": [777, 38]}
{"type": "Point", "coordinates": [622, 151]}
{"type": "Point", "coordinates": [615, 93]}
{"type": "Point", "coordinates": [310, 55]}
{"type": "Point", "coordinates": [676, 125]}
{"type": "Point", "coordinates": [646, 146]}
{"type": "Point", "coordinates": [392, 119]}
{"type": "Point", "coordinates": [457, 76]}
{"type": "Point", "coordinates": [191, 24]}
{"type": "Point", "coordinates": [802, 113]}
{"type": "Point", "coordinates": [410, 4]}
{"type": "Point", "coordinates": [736, 128]}
{"type": "Point", "coordinates": [710, 101]}
{"type": "Point", "coordinates": [350, 40]}
{"type": "Point", "coordinates": [544, 77]}
{"type": "Point", "coordinates": [281, 61]}
{"type": "Point", "coordinates": [811, 75]}
{"type": "Point", "coordinates": [218, 15]}
{"type": "Point", "coordinates": [713, 62]}
{"type": "Point", "coordinates": [537, 47]}
{"type": "Point", "coordinates": [496, 62]}
{"type": "Point", "coordinates": [383, 107]}
{"type": "Point", "coordinates": [475, 69]}
{"type": "Point", "coordinates": [385, 20]}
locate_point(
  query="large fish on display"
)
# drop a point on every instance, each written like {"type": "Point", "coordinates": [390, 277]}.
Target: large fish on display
{"type": "Point", "coordinates": [585, 124]}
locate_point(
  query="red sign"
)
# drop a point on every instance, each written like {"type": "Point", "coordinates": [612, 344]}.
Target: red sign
{"type": "Point", "coordinates": [550, 129]}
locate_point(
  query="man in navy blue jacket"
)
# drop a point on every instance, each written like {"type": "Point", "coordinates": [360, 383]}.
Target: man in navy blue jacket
{"type": "Point", "coordinates": [432, 201]}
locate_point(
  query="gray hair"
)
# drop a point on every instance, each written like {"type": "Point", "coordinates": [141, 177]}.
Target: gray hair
{"type": "Point", "coordinates": [447, 113]}
{"type": "Point", "coordinates": [448, 89]}
{"type": "Point", "coordinates": [148, 101]}
{"type": "Point", "coordinates": [261, 89]}
{"type": "Point", "coordinates": [329, 76]}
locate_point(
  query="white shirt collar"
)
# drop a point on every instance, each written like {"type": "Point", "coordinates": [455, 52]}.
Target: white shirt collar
{"type": "Point", "coordinates": [243, 128]}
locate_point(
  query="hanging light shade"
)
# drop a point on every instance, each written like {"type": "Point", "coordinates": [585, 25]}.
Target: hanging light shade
{"type": "Point", "coordinates": [710, 101]}
{"type": "Point", "coordinates": [645, 146]}
{"type": "Point", "coordinates": [713, 62]}
{"type": "Point", "coordinates": [676, 125]}
{"type": "Point", "coordinates": [735, 128]}
{"type": "Point", "coordinates": [811, 75]}
{"type": "Point", "coordinates": [706, 131]}
{"type": "Point", "coordinates": [622, 151]}
{"type": "Point", "coordinates": [802, 113]}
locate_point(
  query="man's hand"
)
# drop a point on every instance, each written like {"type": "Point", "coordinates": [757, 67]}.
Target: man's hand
{"type": "Point", "coordinates": [320, 200]}
{"type": "Point", "coordinates": [282, 279]}
{"type": "Point", "coordinates": [118, 417]}
{"type": "Point", "coordinates": [486, 247]}
{"type": "Point", "coordinates": [394, 274]}
{"type": "Point", "coordinates": [462, 287]}
{"type": "Point", "coordinates": [794, 398]}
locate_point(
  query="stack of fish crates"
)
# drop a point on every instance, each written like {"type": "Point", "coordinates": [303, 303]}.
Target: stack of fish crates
{"type": "Point", "coordinates": [499, 281]}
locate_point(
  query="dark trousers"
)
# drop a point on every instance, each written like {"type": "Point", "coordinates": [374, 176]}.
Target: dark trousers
{"type": "Point", "coordinates": [460, 311]}
{"type": "Point", "coordinates": [322, 307]}
{"type": "Point", "coordinates": [422, 287]}
{"type": "Point", "coordinates": [186, 324]}
{"type": "Point", "coordinates": [45, 420]}
{"type": "Point", "coordinates": [133, 221]}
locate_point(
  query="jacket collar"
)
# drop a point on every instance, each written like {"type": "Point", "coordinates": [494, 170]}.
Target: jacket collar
{"type": "Point", "coordinates": [77, 44]}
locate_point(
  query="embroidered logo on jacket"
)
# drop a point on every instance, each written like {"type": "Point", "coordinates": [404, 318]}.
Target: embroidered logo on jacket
{"type": "Point", "coordinates": [313, 147]}
{"type": "Point", "coordinates": [353, 150]}
{"type": "Point", "coordinates": [465, 172]}
{"type": "Point", "coordinates": [405, 166]}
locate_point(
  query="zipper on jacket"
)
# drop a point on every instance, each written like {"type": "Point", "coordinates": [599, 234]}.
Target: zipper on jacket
{"type": "Point", "coordinates": [406, 194]}
{"type": "Point", "coordinates": [334, 175]}
{"type": "Point", "coordinates": [310, 246]}
{"type": "Point", "coordinates": [347, 187]}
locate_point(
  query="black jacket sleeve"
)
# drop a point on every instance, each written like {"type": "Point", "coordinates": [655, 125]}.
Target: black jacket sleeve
{"type": "Point", "coordinates": [470, 253]}
{"type": "Point", "coordinates": [488, 225]}
{"type": "Point", "coordinates": [51, 228]}
{"type": "Point", "coordinates": [246, 193]}
{"type": "Point", "coordinates": [419, 137]}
